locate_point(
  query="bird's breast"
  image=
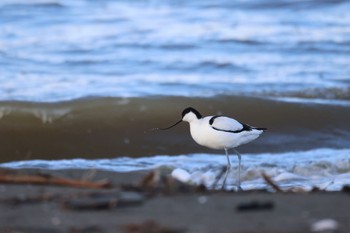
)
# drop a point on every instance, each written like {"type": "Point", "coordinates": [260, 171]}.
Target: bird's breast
{"type": "Point", "coordinates": [204, 135]}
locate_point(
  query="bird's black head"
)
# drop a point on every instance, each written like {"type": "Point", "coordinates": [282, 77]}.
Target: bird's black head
{"type": "Point", "coordinates": [190, 109]}
{"type": "Point", "coordinates": [186, 116]}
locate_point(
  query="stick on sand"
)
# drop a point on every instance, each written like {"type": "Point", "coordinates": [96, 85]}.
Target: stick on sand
{"type": "Point", "coordinates": [50, 180]}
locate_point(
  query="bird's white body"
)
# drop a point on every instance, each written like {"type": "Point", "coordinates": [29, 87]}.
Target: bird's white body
{"type": "Point", "coordinates": [220, 134]}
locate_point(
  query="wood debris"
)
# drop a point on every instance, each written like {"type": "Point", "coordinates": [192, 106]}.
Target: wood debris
{"type": "Point", "coordinates": [41, 179]}
{"type": "Point", "coordinates": [270, 182]}
{"type": "Point", "coordinates": [149, 227]}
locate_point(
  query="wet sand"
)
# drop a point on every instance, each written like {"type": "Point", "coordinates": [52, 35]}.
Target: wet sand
{"type": "Point", "coordinates": [126, 207]}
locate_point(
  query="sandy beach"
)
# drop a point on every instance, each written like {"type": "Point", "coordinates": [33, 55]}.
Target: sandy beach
{"type": "Point", "coordinates": [132, 203]}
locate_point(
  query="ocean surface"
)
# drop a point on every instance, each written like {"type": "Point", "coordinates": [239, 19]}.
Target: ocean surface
{"type": "Point", "coordinates": [82, 82]}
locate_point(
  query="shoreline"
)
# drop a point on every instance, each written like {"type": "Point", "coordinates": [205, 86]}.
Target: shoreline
{"type": "Point", "coordinates": [128, 207]}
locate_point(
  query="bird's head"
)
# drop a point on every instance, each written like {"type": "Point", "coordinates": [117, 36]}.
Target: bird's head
{"type": "Point", "coordinates": [188, 115]}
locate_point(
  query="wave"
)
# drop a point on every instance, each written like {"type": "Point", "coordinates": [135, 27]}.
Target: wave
{"type": "Point", "coordinates": [337, 95]}
{"type": "Point", "coordinates": [290, 4]}
{"type": "Point", "coordinates": [323, 167]}
{"type": "Point", "coordinates": [33, 3]}
{"type": "Point", "coordinates": [113, 127]}
{"type": "Point", "coordinates": [207, 66]}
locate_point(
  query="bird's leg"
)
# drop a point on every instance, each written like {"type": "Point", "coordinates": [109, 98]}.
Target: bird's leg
{"type": "Point", "coordinates": [239, 170]}
{"type": "Point", "coordinates": [227, 169]}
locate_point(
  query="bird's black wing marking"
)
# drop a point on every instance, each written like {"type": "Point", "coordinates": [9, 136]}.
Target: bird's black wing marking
{"type": "Point", "coordinates": [235, 126]}
{"type": "Point", "coordinates": [225, 124]}
{"type": "Point", "coordinates": [211, 121]}
{"type": "Point", "coordinates": [244, 128]}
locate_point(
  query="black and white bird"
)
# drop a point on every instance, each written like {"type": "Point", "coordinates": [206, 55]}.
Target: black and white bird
{"type": "Point", "coordinates": [219, 132]}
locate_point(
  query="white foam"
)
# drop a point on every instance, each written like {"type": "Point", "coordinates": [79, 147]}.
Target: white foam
{"type": "Point", "coordinates": [181, 175]}
{"type": "Point", "coordinates": [324, 168]}
{"type": "Point", "coordinates": [325, 225]}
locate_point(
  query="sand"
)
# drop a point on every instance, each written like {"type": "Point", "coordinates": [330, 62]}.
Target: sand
{"type": "Point", "coordinates": [128, 207]}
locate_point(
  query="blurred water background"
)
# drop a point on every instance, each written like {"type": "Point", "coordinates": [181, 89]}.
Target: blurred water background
{"type": "Point", "coordinates": [86, 79]}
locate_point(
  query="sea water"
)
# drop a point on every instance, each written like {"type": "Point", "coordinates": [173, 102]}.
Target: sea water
{"type": "Point", "coordinates": [81, 82]}
{"type": "Point", "coordinates": [54, 50]}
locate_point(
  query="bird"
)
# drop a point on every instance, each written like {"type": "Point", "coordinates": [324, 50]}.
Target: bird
{"type": "Point", "coordinates": [219, 132]}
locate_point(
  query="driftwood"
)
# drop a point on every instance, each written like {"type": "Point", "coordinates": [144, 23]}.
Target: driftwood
{"type": "Point", "coordinates": [270, 182]}
{"type": "Point", "coordinates": [101, 201]}
{"type": "Point", "coordinates": [156, 182]}
{"type": "Point", "coordinates": [255, 206]}
{"type": "Point", "coordinates": [149, 227]}
{"type": "Point", "coordinates": [50, 180]}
